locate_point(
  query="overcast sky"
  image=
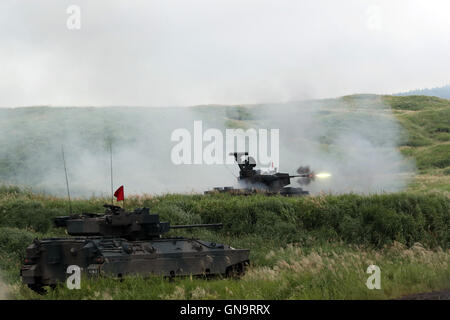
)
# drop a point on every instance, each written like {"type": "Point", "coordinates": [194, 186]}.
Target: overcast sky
{"type": "Point", "coordinates": [187, 52]}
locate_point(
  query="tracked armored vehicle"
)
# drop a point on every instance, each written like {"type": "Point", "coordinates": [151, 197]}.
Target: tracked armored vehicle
{"type": "Point", "coordinates": [119, 243]}
{"type": "Point", "coordinates": [269, 182]}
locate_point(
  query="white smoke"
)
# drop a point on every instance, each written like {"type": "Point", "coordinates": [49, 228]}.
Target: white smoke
{"type": "Point", "coordinates": [353, 139]}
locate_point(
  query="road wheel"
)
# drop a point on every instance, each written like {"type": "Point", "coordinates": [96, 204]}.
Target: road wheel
{"type": "Point", "coordinates": [235, 271]}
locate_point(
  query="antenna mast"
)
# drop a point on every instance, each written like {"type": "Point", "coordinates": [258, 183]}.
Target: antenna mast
{"type": "Point", "coordinates": [67, 179]}
{"type": "Point", "coordinates": [111, 164]}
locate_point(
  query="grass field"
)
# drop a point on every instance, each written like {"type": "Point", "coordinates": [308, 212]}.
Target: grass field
{"type": "Point", "coordinates": [335, 271]}
{"type": "Point", "coordinates": [312, 247]}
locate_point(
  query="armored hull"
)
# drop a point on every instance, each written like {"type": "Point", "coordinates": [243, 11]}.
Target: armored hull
{"type": "Point", "coordinates": [48, 259]}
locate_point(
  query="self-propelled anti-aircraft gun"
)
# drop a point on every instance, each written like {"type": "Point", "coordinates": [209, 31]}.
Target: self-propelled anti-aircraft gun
{"type": "Point", "coordinates": [267, 181]}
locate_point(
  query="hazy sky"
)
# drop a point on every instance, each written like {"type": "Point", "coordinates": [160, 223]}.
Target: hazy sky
{"type": "Point", "coordinates": [185, 52]}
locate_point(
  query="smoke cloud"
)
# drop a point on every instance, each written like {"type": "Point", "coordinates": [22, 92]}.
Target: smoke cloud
{"type": "Point", "coordinates": [354, 139]}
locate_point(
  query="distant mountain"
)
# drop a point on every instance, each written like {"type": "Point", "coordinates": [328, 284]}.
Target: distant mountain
{"type": "Point", "coordinates": [441, 92]}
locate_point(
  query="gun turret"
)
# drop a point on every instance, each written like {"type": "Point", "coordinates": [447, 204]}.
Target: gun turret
{"type": "Point", "coordinates": [250, 177]}
{"type": "Point", "coordinates": [265, 180]}
{"type": "Point", "coordinates": [116, 222]}
{"type": "Point", "coordinates": [272, 181]}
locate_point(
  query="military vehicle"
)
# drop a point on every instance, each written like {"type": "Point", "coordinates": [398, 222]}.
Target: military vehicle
{"type": "Point", "coordinates": [119, 243]}
{"type": "Point", "coordinates": [267, 181]}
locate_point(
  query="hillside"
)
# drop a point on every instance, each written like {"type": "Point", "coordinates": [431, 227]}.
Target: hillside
{"type": "Point", "coordinates": [427, 124]}
{"type": "Point", "coordinates": [355, 137]}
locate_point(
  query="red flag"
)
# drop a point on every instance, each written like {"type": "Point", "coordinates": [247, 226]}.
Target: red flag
{"type": "Point", "coordinates": [119, 194]}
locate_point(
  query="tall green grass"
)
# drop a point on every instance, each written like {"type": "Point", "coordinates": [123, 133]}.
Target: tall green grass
{"type": "Point", "coordinates": [363, 219]}
{"type": "Point", "coordinates": [280, 232]}
{"type": "Point", "coordinates": [334, 271]}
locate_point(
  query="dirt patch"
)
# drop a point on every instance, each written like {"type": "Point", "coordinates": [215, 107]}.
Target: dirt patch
{"type": "Point", "coordinates": [3, 291]}
{"type": "Point", "coordinates": [434, 295]}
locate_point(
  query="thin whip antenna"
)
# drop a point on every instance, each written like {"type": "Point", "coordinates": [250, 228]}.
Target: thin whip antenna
{"type": "Point", "coordinates": [67, 180]}
{"type": "Point", "coordinates": [111, 164]}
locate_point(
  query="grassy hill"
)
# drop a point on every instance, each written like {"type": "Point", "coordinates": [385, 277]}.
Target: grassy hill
{"type": "Point", "coordinates": [427, 121]}
{"type": "Point", "coordinates": [320, 133]}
